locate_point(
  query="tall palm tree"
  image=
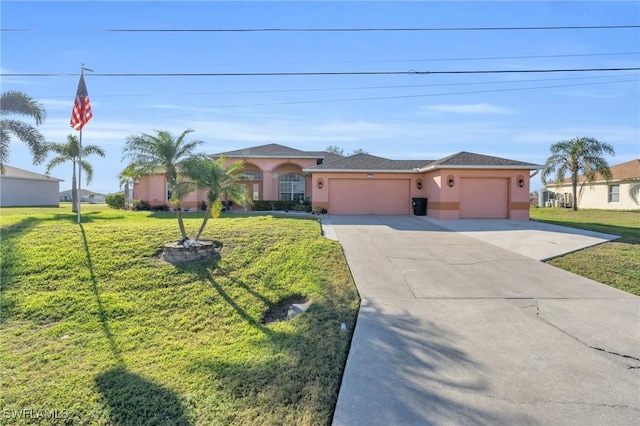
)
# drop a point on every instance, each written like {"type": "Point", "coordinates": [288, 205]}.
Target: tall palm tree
{"type": "Point", "coordinates": [166, 152]}
{"type": "Point", "coordinates": [212, 176]}
{"type": "Point", "coordinates": [577, 155]}
{"type": "Point", "coordinates": [70, 151]}
{"type": "Point", "coordinates": [19, 103]}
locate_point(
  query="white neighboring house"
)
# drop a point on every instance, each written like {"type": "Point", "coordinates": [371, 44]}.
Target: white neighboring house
{"type": "Point", "coordinates": [622, 192]}
{"type": "Point", "coordinates": [20, 188]}
{"type": "Point", "coordinates": [85, 196]}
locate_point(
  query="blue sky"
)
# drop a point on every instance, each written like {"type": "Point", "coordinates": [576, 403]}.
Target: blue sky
{"type": "Point", "coordinates": [516, 116]}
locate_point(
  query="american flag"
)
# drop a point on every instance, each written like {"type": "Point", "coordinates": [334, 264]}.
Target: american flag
{"type": "Point", "coordinates": [81, 113]}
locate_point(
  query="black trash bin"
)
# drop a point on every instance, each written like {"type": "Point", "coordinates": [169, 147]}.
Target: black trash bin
{"type": "Point", "coordinates": [419, 206]}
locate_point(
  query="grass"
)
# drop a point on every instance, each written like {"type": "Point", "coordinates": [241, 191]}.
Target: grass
{"type": "Point", "coordinates": [615, 263]}
{"type": "Point", "coordinates": [97, 330]}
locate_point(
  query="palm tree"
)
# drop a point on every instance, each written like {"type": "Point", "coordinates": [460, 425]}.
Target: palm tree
{"type": "Point", "coordinates": [576, 155]}
{"type": "Point", "coordinates": [211, 176]}
{"type": "Point", "coordinates": [12, 103]}
{"type": "Point", "coordinates": [166, 152]}
{"type": "Point", "coordinates": [70, 151]}
{"type": "Point", "coordinates": [127, 178]}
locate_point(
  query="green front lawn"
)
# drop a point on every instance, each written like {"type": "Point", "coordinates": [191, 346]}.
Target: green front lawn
{"type": "Point", "coordinates": [97, 330]}
{"type": "Point", "coordinates": [615, 263]}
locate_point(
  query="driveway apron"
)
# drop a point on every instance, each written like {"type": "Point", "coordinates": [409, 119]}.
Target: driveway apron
{"type": "Point", "coordinates": [454, 330]}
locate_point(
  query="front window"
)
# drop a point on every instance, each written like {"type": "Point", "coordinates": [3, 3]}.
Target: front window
{"type": "Point", "coordinates": [614, 193]}
{"type": "Point", "coordinates": [292, 187]}
{"type": "Point", "coordinates": [249, 175]}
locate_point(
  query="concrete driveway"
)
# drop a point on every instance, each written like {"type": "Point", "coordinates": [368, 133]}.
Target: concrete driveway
{"type": "Point", "coordinates": [456, 329]}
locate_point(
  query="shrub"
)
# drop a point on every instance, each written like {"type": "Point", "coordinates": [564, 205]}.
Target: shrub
{"type": "Point", "coordinates": [160, 208]}
{"type": "Point", "coordinates": [278, 205]}
{"type": "Point", "coordinates": [141, 205]}
{"type": "Point", "coordinates": [115, 201]}
{"type": "Point", "coordinates": [203, 205]}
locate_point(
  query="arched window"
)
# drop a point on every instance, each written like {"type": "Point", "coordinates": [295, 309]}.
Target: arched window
{"type": "Point", "coordinates": [249, 175]}
{"type": "Point", "coordinates": [292, 187]}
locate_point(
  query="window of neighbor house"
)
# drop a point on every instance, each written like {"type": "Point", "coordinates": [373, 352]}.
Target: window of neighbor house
{"type": "Point", "coordinates": [614, 193]}
{"type": "Point", "coordinates": [292, 187]}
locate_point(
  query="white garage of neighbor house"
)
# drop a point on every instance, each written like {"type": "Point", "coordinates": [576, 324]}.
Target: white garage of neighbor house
{"type": "Point", "coordinates": [86, 196]}
{"type": "Point", "coordinates": [20, 188]}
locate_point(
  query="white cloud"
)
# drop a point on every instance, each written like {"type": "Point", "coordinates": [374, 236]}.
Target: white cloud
{"type": "Point", "coordinates": [479, 108]}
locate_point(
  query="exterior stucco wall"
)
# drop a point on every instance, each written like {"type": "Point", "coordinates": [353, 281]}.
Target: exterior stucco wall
{"type": "Point", "coordinates": [273, 168]}
{"type": "Point", "coordinates": [320, 196]}
{"type": "Point", "coordinates": [444, 201]}
{"type": "Point", "coordinates": [152, 188]}
{"type": "Point", "coordinates": [596, 196]}
{"type": "Point", "coordinates": [28, 192]}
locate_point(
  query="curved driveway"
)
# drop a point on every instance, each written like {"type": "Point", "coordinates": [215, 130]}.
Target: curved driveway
{"type": "Point", "coordinates": [454, 329]}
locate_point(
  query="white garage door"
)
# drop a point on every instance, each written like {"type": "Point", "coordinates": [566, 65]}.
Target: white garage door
{"type": "Point", "coordinates": [484, 198]}
{"type": "Point", "coordinates": [369, 196]}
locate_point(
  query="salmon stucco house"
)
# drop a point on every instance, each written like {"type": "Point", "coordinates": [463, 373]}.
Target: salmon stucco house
{"type": "Point", "coordinates": [463, 185]}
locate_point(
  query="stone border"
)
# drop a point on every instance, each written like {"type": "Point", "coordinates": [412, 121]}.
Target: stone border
{"type": "Point", "coordinates": [178, 253]}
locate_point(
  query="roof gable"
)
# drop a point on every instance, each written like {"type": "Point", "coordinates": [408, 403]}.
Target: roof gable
{"type": "Point", "coordinates": [370, 162]}
{"type": "Point", "coordinates": [623, 171]}
{"type": "Point", "coordinates": [272, 150]}
{"type": "Point", "coordinates": [16, 173]}
{"type": "Point", "coordinates": [470, 159]}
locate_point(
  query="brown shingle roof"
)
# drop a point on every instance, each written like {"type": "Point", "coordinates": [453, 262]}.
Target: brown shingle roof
{"type": "Point", "coordinates": [269, 150]}
{"type": "Point", "coordinates": [623, 171]}
{"type": "Point", "coordinates": [370, 163]}
{"type": "Point", "coordinates": [470, 159]}
{"type": "Point", "coordinates": [328, 156]}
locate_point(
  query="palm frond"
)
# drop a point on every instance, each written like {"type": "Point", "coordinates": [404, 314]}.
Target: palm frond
{"type": "Point", "coordinates": [29, 135]}
{"type": "Point", "coordinates": [14, 102]}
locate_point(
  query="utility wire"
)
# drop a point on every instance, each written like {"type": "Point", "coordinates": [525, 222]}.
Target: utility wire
{"type": "Point", "coordinates": [256, 30]}
{"type": "Point", "coordinates": [329, 89]}
{"type": "Point", "coordinates": [376, 98]}
{"type": "Point", "coordinates": [317, 73]}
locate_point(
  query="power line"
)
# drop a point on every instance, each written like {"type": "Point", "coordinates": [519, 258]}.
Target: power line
{"type": "Point", "coordinates": [417, 96]}
{"type": "Point", "coordinates": [376, 98]}
{"type": "Point", "coordinates": [496, 57]}
{"type": "Point", "coordinates": [328, 89]}
{"type": "Point", "coordinates": [255, 30]}
{"type": "Point", "coordinates": [319, 73]}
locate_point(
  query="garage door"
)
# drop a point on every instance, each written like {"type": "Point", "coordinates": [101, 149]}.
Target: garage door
{"type": "Point", "coordinates": [484, 198]}
{"type": "Point", "coordinates": [369, 196]}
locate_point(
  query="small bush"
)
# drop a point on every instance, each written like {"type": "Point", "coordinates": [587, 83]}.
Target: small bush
{"type": "Point", "coordinates": [115, 201]}
{"type": "Point", "coordinates": [160, 208]}
{"type": "Point", "coordinates": [141, 205]}
{"type": "Point", "coordinates": [203, 205]}
{"type": "Point", "coordinates": [279, 205]}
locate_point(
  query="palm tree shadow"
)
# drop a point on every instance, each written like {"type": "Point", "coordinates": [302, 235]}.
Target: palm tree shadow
{"type": "Point", "coordinates": [132, 399]}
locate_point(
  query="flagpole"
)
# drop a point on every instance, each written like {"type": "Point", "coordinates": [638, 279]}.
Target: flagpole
{"type": "Point", "coordinates": [79, 194]}
{"type": "Point", "coordinates": [80, 115]}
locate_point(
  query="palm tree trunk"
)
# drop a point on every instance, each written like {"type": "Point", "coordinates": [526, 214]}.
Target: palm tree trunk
{"type": "Point", "coordinates": [207, 214]}
{"type": "Point", "coordinates": [574, 186]}
{"type": "Point", "coordinates": [74, 191]}
{"type": "Point", "coordinates": [183, 232]}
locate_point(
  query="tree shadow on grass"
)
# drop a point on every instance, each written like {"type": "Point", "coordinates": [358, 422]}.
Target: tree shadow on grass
{"type": "Point", "coordinates": [132, 399]}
